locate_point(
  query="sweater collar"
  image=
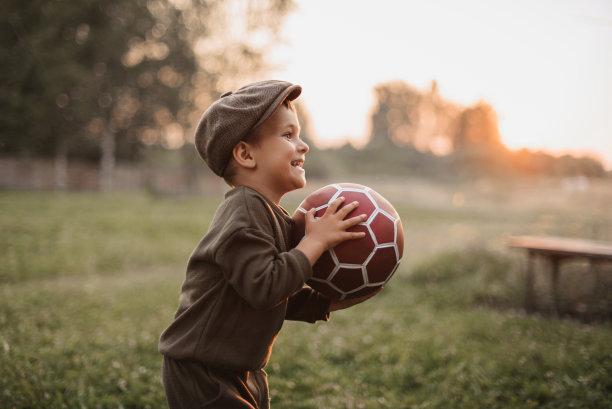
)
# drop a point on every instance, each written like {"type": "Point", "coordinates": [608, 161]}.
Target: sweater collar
{"type": "Point", "coordinates": [276, 208]}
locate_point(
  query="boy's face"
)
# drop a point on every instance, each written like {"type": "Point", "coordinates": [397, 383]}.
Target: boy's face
{"type": "Point", "coordinates": [279, 153]}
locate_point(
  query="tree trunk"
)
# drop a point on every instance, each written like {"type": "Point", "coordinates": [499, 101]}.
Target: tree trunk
{"type": "Point", "coordinates": [61, 167]}
{"type": "Point", "coordinates": [107, 160]}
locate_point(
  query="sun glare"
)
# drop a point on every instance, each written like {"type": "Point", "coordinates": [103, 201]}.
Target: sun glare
{"type": "Point", "coordinates": [544, 67]}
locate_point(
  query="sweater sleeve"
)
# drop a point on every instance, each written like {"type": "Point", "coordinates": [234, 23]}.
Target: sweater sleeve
{"type": "Point", "coordinates": [258, 272]}
{"type": "Point", "coordinates": [308, 305]}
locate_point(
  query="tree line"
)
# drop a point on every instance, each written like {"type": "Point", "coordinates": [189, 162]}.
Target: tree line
{"type": "Point", "coordinates": [104, 79]}
{"type": "Point", "coordinates": [110, 80]}
{"type": "Point", "coordinates": [418, 132]}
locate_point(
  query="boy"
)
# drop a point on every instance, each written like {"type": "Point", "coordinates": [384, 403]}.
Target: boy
{"type": "Point", "coordinates": [245, 277]}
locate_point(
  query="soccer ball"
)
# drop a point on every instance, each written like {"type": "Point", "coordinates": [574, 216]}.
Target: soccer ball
{"type": "Point", "coordinates": [355, 267]}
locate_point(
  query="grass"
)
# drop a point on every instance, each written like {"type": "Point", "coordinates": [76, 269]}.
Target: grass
{"type": "Point", "coordinates": [48, 235]}
{"type": "Point", "coordinates": [89, 281]}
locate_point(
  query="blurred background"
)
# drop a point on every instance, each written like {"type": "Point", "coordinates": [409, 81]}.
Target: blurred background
{"type": "Point", "coordinates": [478, 120]}
{"type": "Point", "coordinates": [106, 95]}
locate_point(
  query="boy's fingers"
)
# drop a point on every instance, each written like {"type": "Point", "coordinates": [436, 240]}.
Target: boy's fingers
{"type": "Point", "coordinates": [355, 220]}
{"type": "Point", "coordinates": [347, 209]}
{"type": "Point", "coordinates": [351, 235]}
{"type": "Point", "coordinates": [333, 206]}
{"type": "Point", "coordinates": [310, 214]}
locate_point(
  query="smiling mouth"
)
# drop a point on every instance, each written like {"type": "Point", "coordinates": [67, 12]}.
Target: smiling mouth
{"type": "Point", "coordinates": [297, 163]}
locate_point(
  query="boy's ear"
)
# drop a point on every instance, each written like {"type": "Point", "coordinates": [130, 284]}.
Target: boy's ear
{"type": "Point", "coordinates": [243, 155]}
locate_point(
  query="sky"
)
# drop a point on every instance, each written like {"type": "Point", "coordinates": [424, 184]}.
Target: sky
{"type": "Point", "coordinates": [545, 66]}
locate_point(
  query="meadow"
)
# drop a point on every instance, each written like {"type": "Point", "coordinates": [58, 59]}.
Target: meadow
{"type": "Point", "coordinates": [88, 281]}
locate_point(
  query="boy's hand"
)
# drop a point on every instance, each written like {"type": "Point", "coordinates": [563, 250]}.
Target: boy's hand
{"type": "Point", "coordinates": [329, 230]}
{"type": "Point", "coordinates": [336, 305]}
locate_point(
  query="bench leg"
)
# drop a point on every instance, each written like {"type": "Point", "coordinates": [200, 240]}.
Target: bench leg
{"type": "Point", "coordinates": [596, 298]}
{"type": "Point", "coordinates": [555, 261]}
{"type": "Point", "coordinates": [529, 295]}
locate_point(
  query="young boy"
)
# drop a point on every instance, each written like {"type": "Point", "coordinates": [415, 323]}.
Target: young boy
{"type": "Point", "coordinates": [245, 277]}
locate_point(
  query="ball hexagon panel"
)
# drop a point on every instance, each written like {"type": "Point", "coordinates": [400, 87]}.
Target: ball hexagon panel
{"type": "Point", "coordinates": [355, 251]}
{"type": "Point", "coordinates": [355, 267]}
{"type": "Point", "coordinates": [366, 204]}
{"type": "Point", "coordinates": [383, 204]}
{"type": "Point", "coordinates": [324, 266]}
{"type": "Point", "coordinates": [383, 228]}
{"type": "Point", "coordinates": [383, 261]}
{"type": "Point", "coordinates": [348, 278]}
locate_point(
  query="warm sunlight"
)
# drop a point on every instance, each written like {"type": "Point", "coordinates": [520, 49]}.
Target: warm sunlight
{"type": "Point", "coordinates": [543, 66]}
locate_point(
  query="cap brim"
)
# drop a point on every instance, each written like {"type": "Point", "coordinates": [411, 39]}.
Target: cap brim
{"type": "Point", "coordinates": [292, 92]}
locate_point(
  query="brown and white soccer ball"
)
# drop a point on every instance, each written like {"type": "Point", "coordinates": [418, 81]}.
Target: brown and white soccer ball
{"type": "Point", "coordinates": [355, 267]}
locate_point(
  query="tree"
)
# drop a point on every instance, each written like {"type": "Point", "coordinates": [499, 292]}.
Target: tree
{"type": "Point", "coordinates": [394, 120]}
{"type": "Point", "coordinates": [405, 116]}
{"type": "Point", "coordinates": [477, 126]}
{"type": "Point", "coordinates": [97, 79]}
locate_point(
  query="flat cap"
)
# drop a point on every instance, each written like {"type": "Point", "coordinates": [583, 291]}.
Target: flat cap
{"type": "Point", "coordinates": [230, 119]}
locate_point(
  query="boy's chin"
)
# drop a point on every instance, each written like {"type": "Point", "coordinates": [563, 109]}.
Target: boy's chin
{"type": "Point", "coordinates": [299, 184]}
{"type": "Point", "coordinates": [302, 183]}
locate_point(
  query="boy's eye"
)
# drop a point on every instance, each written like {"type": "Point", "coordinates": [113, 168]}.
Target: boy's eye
{"type": "Point", "coordinates": [287, 135]}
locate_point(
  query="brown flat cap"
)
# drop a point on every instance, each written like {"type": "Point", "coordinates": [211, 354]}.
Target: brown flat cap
{"type": "Point", "coordinates": [230, 119]}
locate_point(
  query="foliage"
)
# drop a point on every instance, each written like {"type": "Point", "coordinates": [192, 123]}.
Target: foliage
{"type": "Point", "coordinates": [142, 70]}
{"type": "Point", "coordinates": [463, 164]}
{"type": "Point", "coordinates": [469, 277]}
{"type": "Point", "coordinates": [83, 333]}
{"type": "Point", "coordinates": [422, 133]}
{"type": "Point", "coordinates": [69, 72]}
{"type": "Point", "coordinates": [405, 116]}
{"type": "Point", "coordinates": [404, 354]}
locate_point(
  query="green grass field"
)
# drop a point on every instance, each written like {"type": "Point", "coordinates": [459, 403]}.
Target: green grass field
{"type": "Point", "coordinates": [88, 282]}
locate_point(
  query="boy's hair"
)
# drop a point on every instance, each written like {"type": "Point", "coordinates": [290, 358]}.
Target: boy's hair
{"type": "Point", "coordinates": [235, 115]}
{"type": "Point", "coordinates": [252, 138]}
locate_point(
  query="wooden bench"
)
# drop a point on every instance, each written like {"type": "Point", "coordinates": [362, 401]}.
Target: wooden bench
{"type": "Point", "coordinates": [556, 250]}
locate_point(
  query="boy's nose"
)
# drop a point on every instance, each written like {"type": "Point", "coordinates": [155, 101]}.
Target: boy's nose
{"type": "Point", "coordinates": [303, 146]}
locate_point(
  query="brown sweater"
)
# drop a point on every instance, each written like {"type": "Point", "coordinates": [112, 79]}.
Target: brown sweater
{"type": "Point", "coordinates": [243, 280]}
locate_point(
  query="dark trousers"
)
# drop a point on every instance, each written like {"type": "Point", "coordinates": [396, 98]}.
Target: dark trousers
{"type": "Point", "coordinates": [191, 384]}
